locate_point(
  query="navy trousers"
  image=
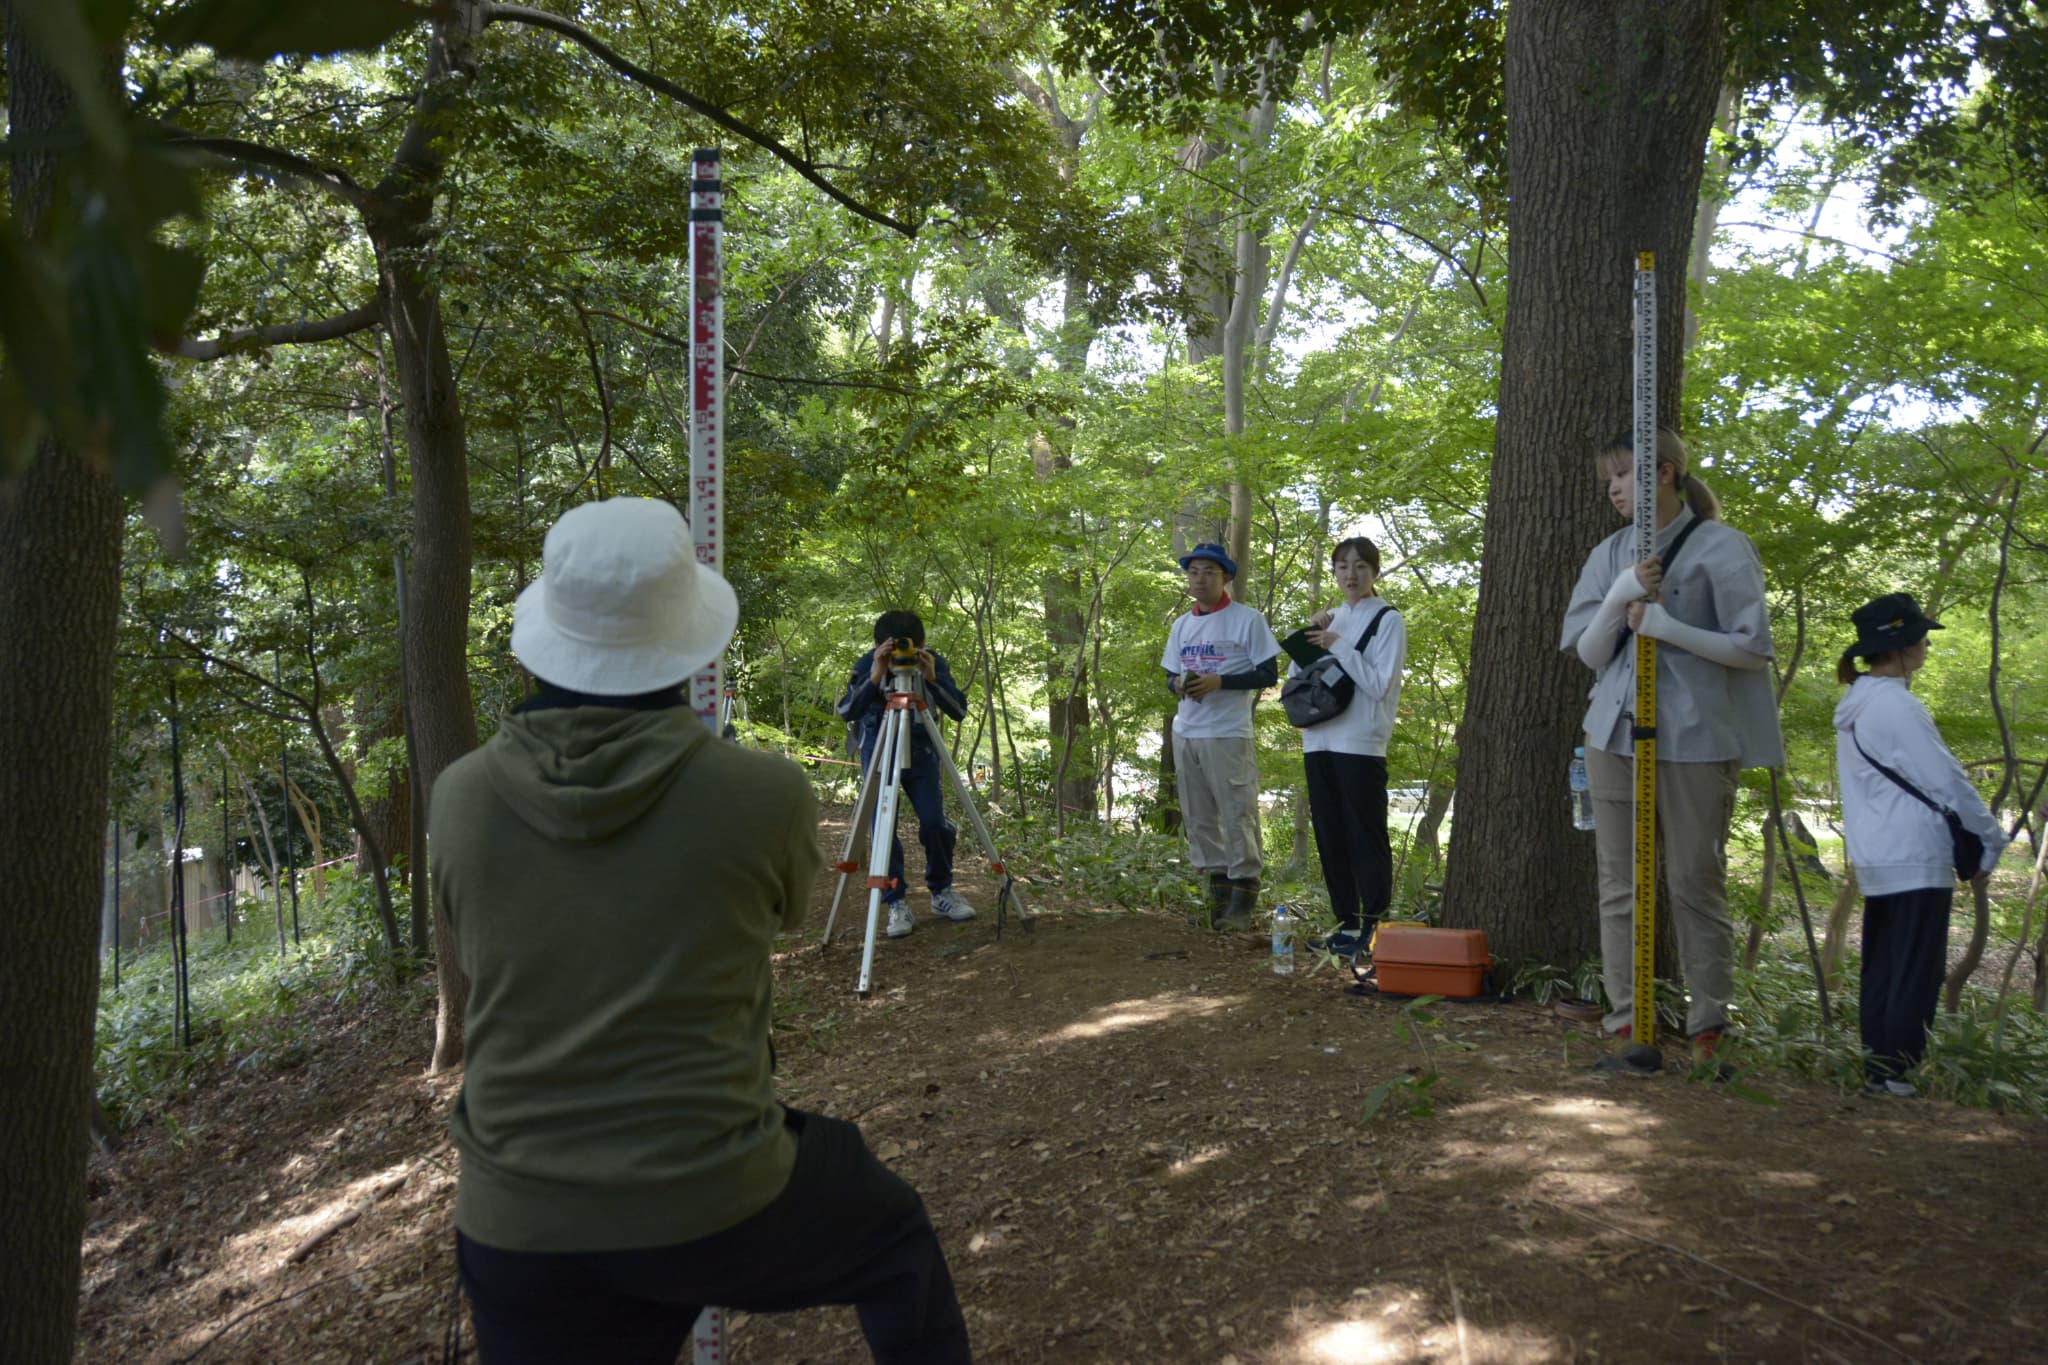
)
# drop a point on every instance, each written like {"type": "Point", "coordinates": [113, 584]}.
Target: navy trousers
{"type": "Point", "coordinates": [1347, 807]}
{"type": "Point", "coordinates": [845, 1230]}
{"type": "Point", "coordinates": [1905, 954]}
{"type": "Point", "coordinates": [925, 790]}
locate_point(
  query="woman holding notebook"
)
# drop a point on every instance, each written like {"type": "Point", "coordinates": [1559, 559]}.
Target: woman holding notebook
{"type": "Point", "coordinates": [1346, 756]}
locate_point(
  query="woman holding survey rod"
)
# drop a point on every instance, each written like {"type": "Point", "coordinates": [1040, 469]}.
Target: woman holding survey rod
{"type": "Point", "coordinates": [1346, 755]}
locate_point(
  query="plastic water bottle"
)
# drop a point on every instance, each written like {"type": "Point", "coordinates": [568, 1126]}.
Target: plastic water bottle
{"type": "Point", "coordinates": [1582, 791]}
{"type": "Point", "coordinates": [1283, 942]}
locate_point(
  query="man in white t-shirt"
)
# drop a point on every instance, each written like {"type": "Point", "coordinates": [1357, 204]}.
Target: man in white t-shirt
{"type": "Point", "coordinates": [1218, 658]}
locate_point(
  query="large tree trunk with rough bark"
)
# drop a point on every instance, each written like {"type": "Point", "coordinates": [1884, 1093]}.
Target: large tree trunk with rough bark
{"type": "Point", "coordinates": [1609, 107]}
{"type": "Point", "coordinates": [60, 556]}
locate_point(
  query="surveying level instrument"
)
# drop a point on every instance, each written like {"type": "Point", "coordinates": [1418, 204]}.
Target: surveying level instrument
{"type": "Point", "coordinates": [1642, 1054]}
{"type": "Point", "coordinates": [883, 785]}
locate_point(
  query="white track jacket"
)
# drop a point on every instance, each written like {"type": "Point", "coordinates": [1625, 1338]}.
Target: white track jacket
{"type": "Point", "coordinates": [1896, 843]}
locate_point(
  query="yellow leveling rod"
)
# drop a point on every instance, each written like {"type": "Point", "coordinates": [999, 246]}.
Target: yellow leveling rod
{"type": "Point", "coordinates": [1644, 1027]}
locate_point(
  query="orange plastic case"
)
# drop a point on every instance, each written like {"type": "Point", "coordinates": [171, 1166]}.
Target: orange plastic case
{"type": "Point", "coordinates": [1413, 959]}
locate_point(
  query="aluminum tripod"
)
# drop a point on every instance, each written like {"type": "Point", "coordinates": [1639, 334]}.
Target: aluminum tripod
{"type": "Point", "coordinates": [883, 784]}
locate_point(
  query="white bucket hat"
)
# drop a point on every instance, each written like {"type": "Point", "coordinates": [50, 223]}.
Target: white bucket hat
{"type": "Point", "coordinates": [622, 606]}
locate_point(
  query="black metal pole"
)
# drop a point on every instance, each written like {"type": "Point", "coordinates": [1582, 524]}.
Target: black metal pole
{"type": "Point", "coordinates": [227, 857]}
{"type": "Point", "coordinates": [1820, 978]}
{"type": "Point", "coordinates": [117, 907]}
{"type": "Point", "coordinates": [179, 950]}
{"type": "Point", "coordinates": [284, 768]}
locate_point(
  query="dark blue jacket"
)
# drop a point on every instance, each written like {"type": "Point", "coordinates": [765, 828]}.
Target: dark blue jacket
{"type": "Point", "coordinates": [863, 707]}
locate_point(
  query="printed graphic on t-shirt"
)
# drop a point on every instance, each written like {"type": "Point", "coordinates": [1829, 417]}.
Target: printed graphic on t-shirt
{"type": "Point", "coordinates": [1201, 656]}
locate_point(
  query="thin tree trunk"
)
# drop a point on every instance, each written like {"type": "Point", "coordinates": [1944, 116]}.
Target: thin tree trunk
{"type": "Point", "coordinates": [60, 558]}
{"type": "Point", "coordinates": [271, 866]}
{"type": "Point", "coordinates": [436, 630]}
{"type": "Point", "coordinates": [309, 818]}
{"type": "Point", "coordinates": [1980, 927]}
{"type": "Point", "coordinates": [1610, 106]}
{"type": "Point", "coordinates": [1835, 943]}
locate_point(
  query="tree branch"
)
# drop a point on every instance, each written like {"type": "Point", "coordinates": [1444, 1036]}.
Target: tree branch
{"type": "Point", "coordinates": [235, 153]}
{"type": "Point", "coordinates": [1440, 252]}
{"type": "Point", "coordinates": [243, 339]}
{"type": "Point", "coordinates": [591, 43]}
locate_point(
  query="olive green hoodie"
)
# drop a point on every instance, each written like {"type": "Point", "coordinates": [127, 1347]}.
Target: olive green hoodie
{"type": "Point", "coordinates": [615, 879]}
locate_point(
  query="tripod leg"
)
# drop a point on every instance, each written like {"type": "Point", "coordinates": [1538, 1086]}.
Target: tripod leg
{"type": "Point", "coordinates": [879, 838]}
{"type": "Point", "coordinates": [966, 800]}
{"type": "Point", "coordinates": [846, 864]}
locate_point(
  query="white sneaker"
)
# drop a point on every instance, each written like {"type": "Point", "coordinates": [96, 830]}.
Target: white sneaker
{"type": "Point", "coordinates": [947, 904]}
{"type": "Point", "coordinates": [900, 922]}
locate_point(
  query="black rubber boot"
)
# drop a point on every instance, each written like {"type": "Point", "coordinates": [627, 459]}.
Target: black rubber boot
{"type": "Point", "coordinates": [1244, 898]}
{"type": "Point", "coordinates": [1219, 901]}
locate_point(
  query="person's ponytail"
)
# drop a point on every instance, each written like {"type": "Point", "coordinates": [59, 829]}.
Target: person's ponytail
{"type": "Point", "coordinates": [1699, 497]}
{"type": "Point", "coordinates": [1671, 450]}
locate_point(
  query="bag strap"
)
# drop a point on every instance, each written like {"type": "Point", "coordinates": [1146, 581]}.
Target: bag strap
{"type": "Point", "coordinates": [1904, 785]}
{"type": "Point", "coordinates": [1670, 554]}
{"type": "Point", "coordinates": [1385, 609]}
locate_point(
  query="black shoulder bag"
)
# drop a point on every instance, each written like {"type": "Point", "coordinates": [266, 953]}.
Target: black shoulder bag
{"type": "Point", "coordinates": [1670, 553]}
{"type": "Point", "coordinates": [1966, 848]}
{"type": "Point", "coordinates": [1321, 691]}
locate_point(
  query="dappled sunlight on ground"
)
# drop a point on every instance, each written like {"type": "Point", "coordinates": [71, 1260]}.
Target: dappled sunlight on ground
{"type": "Point", "coordinates": [1194, 1161]}
{"type": "Point", "coordinates": [279, 1236]}
{"type": "Point", "coordinates": [1394, 1324]}
{"type": "Point", "coordinates": [1354, 1343]}
{"type": "Point", "coordinates": [1172, 1006]}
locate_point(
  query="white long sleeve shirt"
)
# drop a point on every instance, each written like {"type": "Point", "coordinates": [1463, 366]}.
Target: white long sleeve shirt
{"type": "Point", "coordinates": [1367, 724]}
{"type": "Point", "coordinates": [1896, 843]}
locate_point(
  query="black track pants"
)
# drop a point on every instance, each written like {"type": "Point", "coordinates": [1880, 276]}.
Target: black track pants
{"type": "Point", "coordinates": [845, 1230]}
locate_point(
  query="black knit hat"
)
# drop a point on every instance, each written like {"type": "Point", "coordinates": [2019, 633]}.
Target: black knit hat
{"type": "Point", "coordinates": [1893, 621]}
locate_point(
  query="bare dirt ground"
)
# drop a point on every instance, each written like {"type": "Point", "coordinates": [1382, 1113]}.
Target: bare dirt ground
{"type": "Point", "coordinates": [1139, 1144]}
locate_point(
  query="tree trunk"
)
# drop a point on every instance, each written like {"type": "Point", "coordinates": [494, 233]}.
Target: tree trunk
{"type": "Point", "coordinates": [1610, 106]}
{"type": "Point", "coordinates": [379, 715]}
{"type": "Point", "coordinates": [60, 557]}
{"type": "Point", "coordinates": [1835, 939]}
{"type": "Point", "coordinates": [436, 636]}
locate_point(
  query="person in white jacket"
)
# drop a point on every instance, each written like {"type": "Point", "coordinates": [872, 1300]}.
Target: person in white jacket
{"type": "Point", "coordinates": [1900, 845]}
{"type": "Point", "coordinates": [1345, 757]}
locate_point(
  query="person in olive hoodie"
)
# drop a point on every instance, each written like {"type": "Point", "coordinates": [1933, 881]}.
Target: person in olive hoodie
{"type": "Point", "coordinates": [614, 878]}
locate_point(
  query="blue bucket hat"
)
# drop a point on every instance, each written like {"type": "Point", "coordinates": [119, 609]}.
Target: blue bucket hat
{"type": "Point", "coordinates": [1210, 551]}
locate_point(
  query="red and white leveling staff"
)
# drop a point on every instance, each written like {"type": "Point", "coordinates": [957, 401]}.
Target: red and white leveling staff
{"type": "Point", "coordinates": [707, 492]}
{"type": "Point", "coordinates": [707, 396]}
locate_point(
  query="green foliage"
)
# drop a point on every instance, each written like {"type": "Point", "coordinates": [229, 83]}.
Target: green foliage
{"type": "Point", "coordinates": [247, 999]}
{"type": "Point", "coordinates": [1416, 1086]}
{"type": "Point", "coordinates": [256, 30]}
{"type": "Point", "coordinates": [1971, 1058]}
{"type": "Point", "coordinates": [1102, 865]}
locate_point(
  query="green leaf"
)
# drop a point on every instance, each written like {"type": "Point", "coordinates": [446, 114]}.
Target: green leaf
{"type": "Point", "coordinates": [258, 30]}
{"type": "Point", "coordinates": [123, 392]}
{"type": "Point", "coordinates": [1377, 1100]}
{"type": "Point", "coordinates": [21, 426]}
{"type": "Point", "coordinates": [35, 335]}
{"type": "Point", "coordinates": [108, 19]}
{"type": "Point", "coordinates": [171, 278]}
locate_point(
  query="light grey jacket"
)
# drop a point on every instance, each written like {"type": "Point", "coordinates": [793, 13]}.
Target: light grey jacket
{"type": "Point", "coordinates": [1706, 711]}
